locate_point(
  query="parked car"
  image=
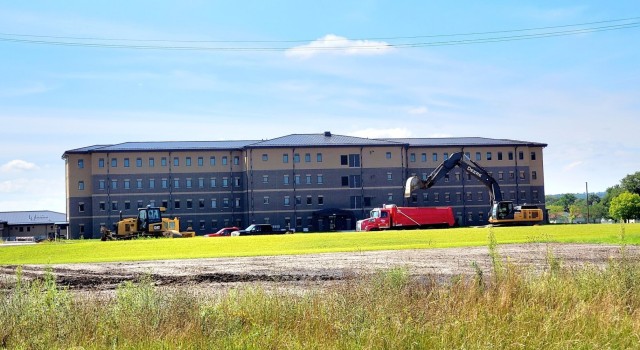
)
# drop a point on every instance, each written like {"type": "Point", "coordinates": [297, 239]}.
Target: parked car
{"type": "Point", "coordinates": [226, 231]}
{"type": "Point", "coordinates": [260, 229]}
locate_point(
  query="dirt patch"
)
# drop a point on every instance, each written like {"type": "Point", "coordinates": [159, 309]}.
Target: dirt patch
{"type": "Point", "coordinates": [314, 270]}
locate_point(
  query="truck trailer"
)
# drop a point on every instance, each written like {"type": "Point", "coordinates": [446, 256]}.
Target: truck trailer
{"type": "Point", "coordinates": [392, 217]}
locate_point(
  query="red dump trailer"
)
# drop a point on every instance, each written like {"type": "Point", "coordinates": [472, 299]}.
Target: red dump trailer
{"type": "Point", "coordinates": [392, 217]}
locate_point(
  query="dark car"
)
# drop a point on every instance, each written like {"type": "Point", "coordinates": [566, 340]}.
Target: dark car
{"type": "Point", "coordinates": [260, 229]}
{"type": "Point", "coordinates": [226, 231]}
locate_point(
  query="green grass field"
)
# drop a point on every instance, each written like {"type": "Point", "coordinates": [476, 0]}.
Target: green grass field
{"type": "Point", "coordinates": [77, 251]}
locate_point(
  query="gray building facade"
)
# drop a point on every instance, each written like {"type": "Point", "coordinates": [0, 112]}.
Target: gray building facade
{"type": "Point", "coordinates": [310, 182]}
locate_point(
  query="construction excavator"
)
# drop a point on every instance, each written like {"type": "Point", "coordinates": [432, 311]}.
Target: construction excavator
{"type": "Point", "coordinates": [502, 212]}
{"type": "Point", "coordinates": [148, 223]}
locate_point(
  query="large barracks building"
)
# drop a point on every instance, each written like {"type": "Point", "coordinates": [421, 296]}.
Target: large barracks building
{"type": "Point", "coordinates": [309, 182]}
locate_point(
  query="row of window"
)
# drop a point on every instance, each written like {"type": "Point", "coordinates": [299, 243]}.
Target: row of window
{"type": "Point", "coordinates": [352, 160]}
{"type": "Point", "coordinates": [201, 203]}
{"type": "Point", "coordinates": [164, 161]}
{"type": "Point", "coordinates": [478, 156]}
{"type": "Point", "coordinates": [435, 197]}
{"type": "Point", "coordinates": [512, 175]}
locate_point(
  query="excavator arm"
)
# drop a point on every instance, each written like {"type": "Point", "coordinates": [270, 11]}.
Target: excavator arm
{"type": "Point", "coordinates": [456, 159]}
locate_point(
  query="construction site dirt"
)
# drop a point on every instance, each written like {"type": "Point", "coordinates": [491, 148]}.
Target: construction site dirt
{"type": "Point", "coordinates": [316, 271]}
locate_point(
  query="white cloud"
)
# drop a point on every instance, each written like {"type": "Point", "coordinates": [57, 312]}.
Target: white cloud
{"type": "Point", "coordinates": [18, 165]}
{"type": "Point", "coordinates": [572, 165]}
{"type": "Point", "coordinates": [382, 133]}
{"type": "Point", "coordinates": [331, 43]}
{"type": "Point", "coordinates": [418, 110]}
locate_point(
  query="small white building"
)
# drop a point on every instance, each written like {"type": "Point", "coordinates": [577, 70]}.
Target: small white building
{"type": "Point", "coordinates": [32, 225]}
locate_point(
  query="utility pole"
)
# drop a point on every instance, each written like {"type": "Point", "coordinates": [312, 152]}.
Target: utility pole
{"type": "Point", "coordinates": [586, 185]}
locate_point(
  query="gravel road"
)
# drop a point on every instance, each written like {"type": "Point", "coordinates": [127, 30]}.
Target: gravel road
{"type": "Point", "coordinates": [314, 270]}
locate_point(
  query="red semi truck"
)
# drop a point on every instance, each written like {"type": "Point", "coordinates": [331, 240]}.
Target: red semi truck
{"type": "Point", "coordinates": [392, 217]}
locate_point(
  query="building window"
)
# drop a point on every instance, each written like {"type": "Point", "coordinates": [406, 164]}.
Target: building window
{"type": "Point", "coordinates": [102, 206]}
{"type": "Point", "coordinates": [200, 161]}
{"type": "Point", "coordinates": [296, 158]}
{"type": "Point", "coordinates": [345, 180]}
{"type": "Point", "coordinates": [523, 195]}
{"type": "Point", "coordinates": [307, 157]}
{"type": "Point", "coordinates": [320, 179]}
{"type": "Point", "coordinates": [287, 200]}
{"type": "Point", "coordinates": [81, 207]}
{"type": "Point", "coordinates": [165, 203]}
{"type": "Point", "coordinates": [389, 176]}
{"type": "Point", "coordinates": [236, 182]}
{"type": "Point", "coordinates": [225, 182]}
{"type": "Point", "coordinates": [469, 196]}
{"type": "Point", "coordinates": [533, 155]}
{"type": "Point", "coordinates": [356, 202]}
{"type": "Point", "coordinates": [534, 175]}
{"type": "Point", "coordinates": [189, 183]}
{"type": "Point", "coordinates": [298, 200]}
{"type": "Point", "coordinates": [152, 162]}
{"type": "Point", "coordinates": [457, 175]}
{"type": "Point", "coordinates": [139, 162]}
{"type": "Point", "coordinates": [165, 183]}
{"type": "Point", "coordinates": [176, 183]}
{"type": "Point", "coordinates": [354, 160]}
{"type": "Point", "coordinates": [434, 157]}
{"type": "Point", "coordinates": [201, 225]}
{"type": "Point", "coordinates": [127, 205]}
{"type": "Point", "coordinates": [201, 182]}
{"type": "Point", "coordinates": [101, 163]}
{"type": "Point", "coordinates": [388, 155]}
{"type": "Point", "coordinates": [81, 185]}
{"type": "Point", "coordinates": [436, 197]}
{"type": "Point", "coordinates": [500, 175]}
{"type": "Point", "coordinates": [320, 200]}
{"type": "Point", "coordinates": [446, 156]}
{"type": "Point", "coordinates": [390, 197]}
{"type": "Point", "coordinates": [187, 161]}
{"type": "Point", "coordinates": [423, 157]}
{"type": "Point", "coordinates": [296, 179]}
{"type": "Point", "coordinates": [522, 174]}
{"type": "Point", "coordinates": [447, 197]}
{"type": "Point", "coordinates": [319, 157]}
{"type": "Point", "coordinates": [309, 200]}
{"type": "Point", "coordinates": [521, 155]}
{"type": "Point", "coordinates": [101, 184]}
{"type": "Point", "coordinates": [285, 158]}
{"type": "Point", "coordinates": [114, 162]}
{"type": "Point", "coordinates": [127, 184]}
{"type": "Point", "coordinates": [534, 195]}
{"type": "Point", "coordinates": [163, 161]}
{"type": "Point", "coordinates": [412, 158]}
{"type": "Point", "coordinates": [212, 161]}
{"type": "Point", "coordinates": [488, 155]}
{"type": "Point", "coordinates": [189, 204]}
{"type": "Point", "coordinates": [480, 197]}
{"type": "Point", "coordinates": [512, 175]}
{"type": "Point", "coordinates": [214, 203]}
{"type": "Point", "coordinates": [236, 160]}
{"type": "Point", "coordinates": [212, 182]}
{"type": "Point", "coordinates": [114, 184]}
{"type": "Point", "coordinates": [308, 177]}
{"type": "Point", "coordinates": [265, 179]}
{"type": "Point", "coordinates": [510, 155]}
{"type": "Point", "coordinates": [499, 155]}
{"type": "Point", "coordinates": [114, 205]}
{"type": "Point", "coordinates": [80, 163]}
{"type": "Point", "coordinates": [478, 156]}
{"type": "Point", "coordinates": [265, 200]}
{"type": "Point", "coordinates": [344, 159]}
{"type": "Point", "coordinates": [285, 179]}
{"type": "Point", "coordinates": [176, 204]}
{"type": "Point", "coordinates": [126, 162]}
{"type": "Point", "coordinates": [425, 196]}
{"type": "Point", "coordinates": [201, 203]}
{"type": "Point", "coordinates": [176, 161]}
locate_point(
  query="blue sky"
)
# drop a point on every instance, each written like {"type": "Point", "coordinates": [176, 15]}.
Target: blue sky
{"type": "Point", "coordinates": [307, 67]}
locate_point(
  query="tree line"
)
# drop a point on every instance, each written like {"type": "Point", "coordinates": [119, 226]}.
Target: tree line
{"type": "Point", "coordinates": [619, 202]}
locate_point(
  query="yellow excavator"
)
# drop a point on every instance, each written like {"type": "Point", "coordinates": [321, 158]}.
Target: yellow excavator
{"type": "Point", "coordinates": [148, 223]}
{"type": "Point", "coordinates": [502, 212]}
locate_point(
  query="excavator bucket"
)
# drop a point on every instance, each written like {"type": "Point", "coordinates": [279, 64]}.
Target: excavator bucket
{"type": "Point", "coordinates": [413, 183]}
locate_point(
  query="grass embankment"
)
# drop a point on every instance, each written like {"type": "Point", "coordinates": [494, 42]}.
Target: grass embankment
{"type": "Point", "coordinates": [199, 247]}
{"type": "Point", "coordinates": [514, 309]}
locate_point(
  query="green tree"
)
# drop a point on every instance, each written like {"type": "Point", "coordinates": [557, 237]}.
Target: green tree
{"type": "Point", "coordinates": [625, 206]}
{"type": "Point", "coordinates": [611, 193]}
{"type": "Point", "coordinates": [566, 200]}
{"type": "Point", "coordinates": [631, 183]}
